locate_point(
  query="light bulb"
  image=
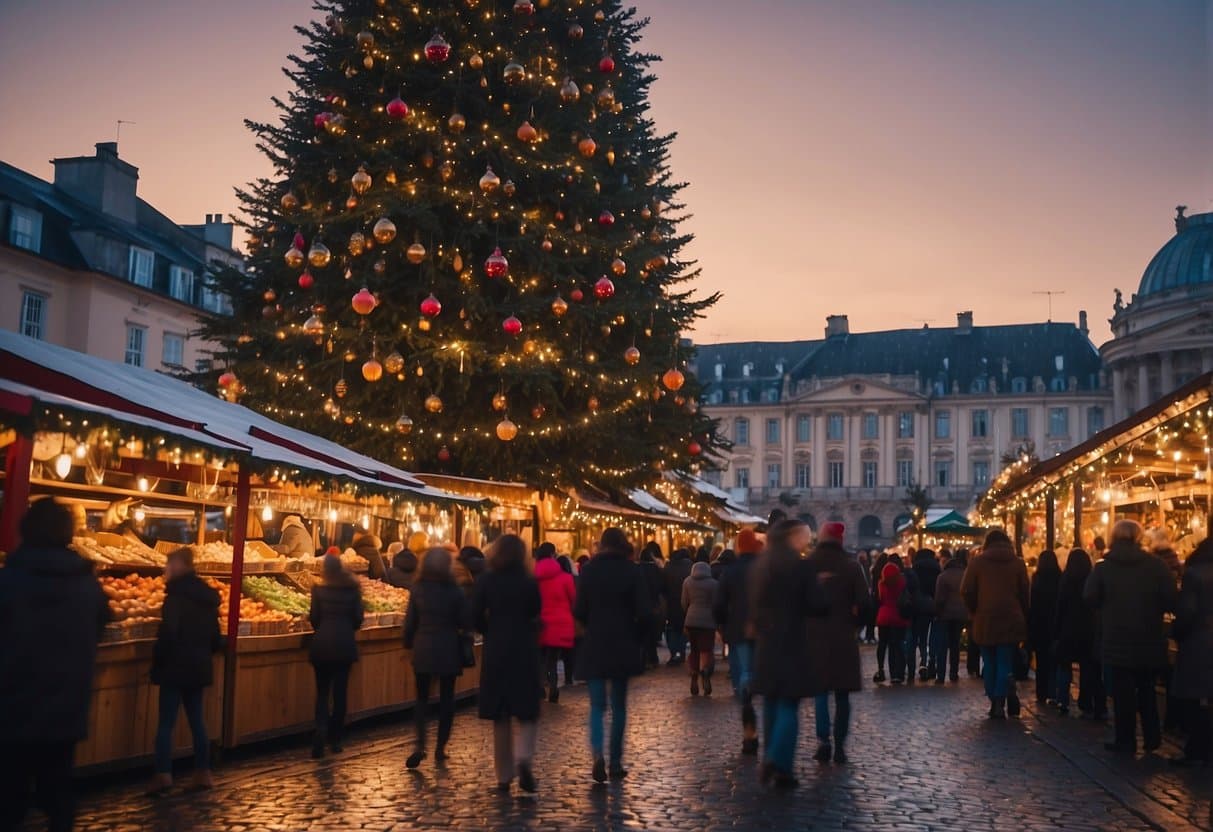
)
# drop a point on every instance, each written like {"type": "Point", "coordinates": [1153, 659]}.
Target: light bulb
{"type": "Point", "coordinates": [366, 522]}
{"type": "Point", "coordinates": [267, 514]}
{"type": "Point", "coordinates": [63, 465]}
{"type": "Point", "coordinates": [140, 514]}
{"type": "Point", "coordinates": [332, 515]}
{"type": "Point", "coordinates": [143, 484]}
{"type": "Point", "coordinates": [81, 451]}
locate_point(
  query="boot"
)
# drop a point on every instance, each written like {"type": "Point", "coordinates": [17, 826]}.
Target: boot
{"type": "Point", "coordinates": [707, 682]}
{"type": "Point", "coordinates": [160, 785]}
{"type": "Point", "coordinates": [824, 752]}
{"type": "Point", "coordinates": [553, 694]}
{"type": "Point", "coordinates": [1013, 707]}
{"type": "Point", "coordinates": [998, 706]}
{"type": "Point", "coordinates": [415, 758]}
{"type": "Point", "coordinates": [694, 683]}
{"type": "Point", "coordinates": [318, 745]}
{"type": "Point", "coordinates": [749, 727]}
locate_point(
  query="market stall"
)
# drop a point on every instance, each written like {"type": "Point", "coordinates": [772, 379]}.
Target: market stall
{"type": "Point", "coordinates": [939, 528]}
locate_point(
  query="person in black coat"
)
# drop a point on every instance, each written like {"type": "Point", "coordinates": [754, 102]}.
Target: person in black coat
{"type": "Point", "coordinates": [1042, 609]}
{"type": "Point", "coordinates": [655, 585]}
{"type": "Point", "coordinates": [731, 608]}
{"type": "Point", "coordinates": [673, 576]}
{"type": "Point", "coordinates": [336, 615]}
{"type": "Point", "coordinates": [52, 614]}
{"type": "Point", "coordinates": [507, 610]}
{"type": "Point", "coordinates": [613, 606]}
{"type": "Point", "coordinates": [437, 622]}
{"type": "Point", "coordinates": [926, 571]}
{"type": "Point", "coordinates": [1074, 640]}
{"type": "Point", "coordinates": [181, 665]}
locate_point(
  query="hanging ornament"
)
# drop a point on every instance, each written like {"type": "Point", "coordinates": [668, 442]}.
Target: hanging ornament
{"type": "Point", "coordinates": [330, 407]}
{"type": "Point", "coordinates": [599, 16]}
{"type": "Point", "coordinates": [631, 355]}
{"type": "Point", "coordinates": [604, 289]}
{"type": "Point", "coordinates": [293, 258]}
{"type": "Point", "coordinates": [444, 454]}
{"type": "Point", "coordinates": [694, 448]}
{"type": "Point", "coordinates": [341, 388]}
{"type": "Point", "coordinates": [593, 404]}
{"type": "Point", "coordinates": [372, 370]}
{"type": "Point", "coordinates": [306, 281]}
{"type": "Point", "coordinates": [513, 73]}
{"type": "Point", "coordinates": [433, 404]}
{"type": "Point", "coordinates": [415, 253]}
{"type": "Point", "coordinates": [511, 325]}
{"type": "Point", "coordinates": [321, 120]}
{"type": "Point", "coordinates": [349, 356]}
{"type": "Point", "coordinates": [437, 50]}
{"type": "Point", "coordinates": [475, 61]}
{"type": "Point", "coordinates": [496, 265]}
{"type": "Point", "coordinates": [619, 267]}
{"type": "Point", "coordinates": [559, 307]}
{"type": "Point", "coordinates": [384, 231]}
{"type": "Point", "coordinates": [606, 219]}
{"type": "Point", "coordinates": [606, 98]}
{"type": "Point", "coordinates": [446, 171]}
{"type": "Point", "coordinates": [314, 327]}
{"type": "Point", "coordinates": [673, 379]}
{"type": "Point", "coordinates": [227, 380]}
{"type": "Point", "coordinates": [490, 181]}
{"type": "Point", "coordinates": [363, 302]}
{"type": "Point", "coordinates": [427, 159]}
{"type": "Point", "coordinates": [524, 8]}
{"type": "Point", "coordinates": [393, 362]}
{"type": "Point", "coordinates": [457, 122]}
{"type": "Point", "coordinates": [538, 411]}
{"type": "Point", "coordinates": [289, 201]}
{"type": "Point", "coordinates": [319, 255]}
{"type": "Point", "coordinates": [569, 91]}
{"type": "Point", "coordinates": [587, 147]}
{"type": "Point", "coordinates": [576, 295]}
{"type": "Point", "coordinates": [396, 109]}
{"type": "Point", "coordinates": [430, 307]}
{"type": "Point", "coordinates": [361, 180]}
{"type": "Point", "coordinates": [576, 31]}
{"type": "Point", "coordinates": [457, 262]}
{"type": "Point", "coordinates": [351, 202]}
{"type": "Point", "coordinates": [508, 187]}
{"type": "Point", "coordinates": [380, 267]}
{"type": "Point", "coordinates": [606, 65]}
{"type": "Point", "coordinates": [546, 245]}
{"type": "Point", "coordinates": [357, 243]}
{"type": "Point", "coordinates": [499, 401]}
{"type": "Point", "coordinates": [333, 175]}
{"type": "Point", "coordinates": [506, 430]}
{"type": "Point", "coordinates": [404, 425]}
{"type": "Point", "coordinates": [365, 40]}
{"type": "Point", "coordinates": [610, 156]}
{"type": "Point", "coordinates": [390, 176]}
{"type": "Point", "coordinates": [527, 133]}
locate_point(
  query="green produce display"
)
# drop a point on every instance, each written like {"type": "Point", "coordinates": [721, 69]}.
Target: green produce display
{"type": "Point", "coordinates": [276, 596]}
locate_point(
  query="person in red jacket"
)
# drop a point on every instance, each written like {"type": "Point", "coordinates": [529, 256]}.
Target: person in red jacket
{"type": "Point", "coordinates": [556, 594]}
{"type": "Point", "coordinates": [890, 623]}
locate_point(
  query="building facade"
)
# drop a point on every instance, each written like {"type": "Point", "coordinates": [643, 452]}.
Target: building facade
{"type": "Point", "coordinates": [87, 264]}
{"type": "Point", "coordinates": [841, 428]}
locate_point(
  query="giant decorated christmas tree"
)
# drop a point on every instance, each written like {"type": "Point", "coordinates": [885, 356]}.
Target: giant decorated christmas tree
{"type": "Point", "coordinates": [468, 259]}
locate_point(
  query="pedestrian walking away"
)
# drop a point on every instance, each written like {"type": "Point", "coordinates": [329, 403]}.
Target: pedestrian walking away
{"type": "Point", "coordinates": [1193, 631]}
{"type": "Point", "coordinates": [1074, 640]}
{"type": "Point", "coordinates": [891, 624]}
{"type": "Point", "coordinates": [951, 614]}
{"type": "Point", "coordinates": [674, 575]}
{"type": "Point", "coordinates": [336, 614]}
{"type": "Point", "coordinates": [557, 594]}
{"type": "Point", "coordinates": [732, 612]}
{"type": "Point", "coordinates": [925, 569]}
{"type": "Point", "coordinates": [995, 589]}
{"type": "Point", "coordinates": [698, 594]}
{"type": "Point", "coordinates": [1042, 609]}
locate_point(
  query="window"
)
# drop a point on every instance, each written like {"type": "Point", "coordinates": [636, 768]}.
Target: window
{"type": "Point", "coordinates": [905, 424]}
{"type": "Point", "coordinates": [871, 426]}
{"type": "Point", "coordinates": [802, 475]}
{"type": "Point", "coordinates": [804, 428]}
{"type": "Point", "coordinates": [219, 303]}
{"type": "Point", "coordinates": [742, 430]}
{"type": "Point", "coordinates": [1019, 384]}
{"type": "Point", "coordinates": [834, 426]}
{"type": "Point", "coordinates": [905, 473]}
{"type": "Point", "coordinates": [1021, 423]}
{"type": "Point", "coordinates": [174, 350]}
{"type": "Point", "coordinates": [980, 385]}
{"type": "Point", "coordinates": [742, 477]}
{"type": "Point", "coordinates": [981, 424]}
{"type": "Point", "coordinates": [204, 365]}
{"type": "Point", "coordinates": [772, 431]}
{"type": "Point", "coordinates": [869, 475]}
{"type": "Point", "coordinates": [943, 424]}
{"type": "Point", "coordinates": [835, 474]}
{"type": "Point", "coordinates": [981, 473]}
{"type": "Point", "coordinates": [943, 472]}
{"type": "Point", "coordinates": [135, 337]}
{"type": "Point", "coordinates": [1059, 421]}
{"type": "Point", "coordinates": [181, 284]}
{"type": "Point", "coordinates": [25, 228]}
{"type": "Point", "coordinates": [140, 269]}
{"type": "Point", "coordinates": [1095, 420]}
{"type": "Point", "coordinates": [33, 315]}
{"type": "Point", "coordinates": [774, 475]}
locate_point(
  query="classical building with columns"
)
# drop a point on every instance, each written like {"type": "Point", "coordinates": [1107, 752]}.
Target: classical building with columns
{"type": "Point", "coordinates": [1163, 337]}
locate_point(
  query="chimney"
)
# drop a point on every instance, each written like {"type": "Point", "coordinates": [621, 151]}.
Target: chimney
{"type": "Point", "coordinates": [837, 325]}
{"type": "Point", "coordinates": [964, 323]}
{"type": "Point", "coordinates": [214, 231]}
{"type": "Point", "coordinates": [1082, 322]}
{"type": "Point", "coordinates": [103, 181]}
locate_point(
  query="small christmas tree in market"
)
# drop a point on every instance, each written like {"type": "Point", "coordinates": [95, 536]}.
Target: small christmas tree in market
{"type": "Point", "coordinates": [468, 259]}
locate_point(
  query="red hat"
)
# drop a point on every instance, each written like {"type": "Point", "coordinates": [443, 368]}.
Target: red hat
{"type": "Point", "coordinates": [333, 550]}
{"type": "Point", "coordinates": [748, 542]}
{"type": "Point", "coordinates": [833, 531]}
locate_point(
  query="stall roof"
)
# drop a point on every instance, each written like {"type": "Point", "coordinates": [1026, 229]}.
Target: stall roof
{"type": "Point", "coordinates": [603, 506]}
{"type": "Point", "coordinates": [729, 512]}
{"type": "Point", "coordinates": [737, 517]}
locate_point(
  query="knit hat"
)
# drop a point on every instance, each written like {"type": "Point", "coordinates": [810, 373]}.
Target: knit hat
{"type": "Point", "coordinates": [333, 550]}
{"type": "Point", "coordinates": [332, 563]}
{"type": "Point", "coordinates": [748, 542]}
{"type": "Point", "coordinates": [834, 531]}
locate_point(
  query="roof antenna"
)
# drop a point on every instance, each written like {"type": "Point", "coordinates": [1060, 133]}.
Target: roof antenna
{"type": "Point", "coordinates": [118, 132]}
{"type": "Point", "coordinates": [1050, 293]}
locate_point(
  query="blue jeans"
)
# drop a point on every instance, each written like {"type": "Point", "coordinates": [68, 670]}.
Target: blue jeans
{"type": "Point", "coordinates": [842, 715]}
{"type": "Point", "coordinates": [619, 716]}
{"type": "Point", "coordinates": [171, 700]}
{"type": "Point", "coordinates": [997, 671]}
{"type": "Point", "coordinates": [780, 729]}
{"type": "Point", "coordinates": [741, 667]}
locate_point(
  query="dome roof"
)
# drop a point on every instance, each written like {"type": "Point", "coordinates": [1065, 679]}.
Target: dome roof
{"type": "Point", "coordinates": [1186, 260]}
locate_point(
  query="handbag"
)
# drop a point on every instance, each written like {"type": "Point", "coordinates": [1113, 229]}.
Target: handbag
{"type": "Point", "coordinates": [467, 651]}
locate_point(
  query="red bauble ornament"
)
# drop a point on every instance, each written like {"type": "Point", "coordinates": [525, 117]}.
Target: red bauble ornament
{"type": "Point", "coordinates": [444, 454]}
{"type": "Point", "coordinates": [606, 219]}
{"type": "Point", "coordinates": [227, 379]}
{"type": "Point", "coordinates": [363, 302]}
{"type": "Point", "coordinates": [604, 288]}
{"type": "Point", "coordinates": [298, 241]}
{"type": "Point", "coordinates": [306, 281]}
{"type": "Point", "coordinates": [524, 8]}
{"type": "Point", "coordinates": [437, 49]}
{"type": "Point", "coordinates": [673, 379]}
{"type": "Point", "coordinates": [321, 120]}
{"type": "Point", "coordinates": [397, 109]}
{"type": "Point", "coordinates": [694, 448]}
{"type": "Point", "coordinates": [577, 295]}
{"type": "Point", "coordinates": [430, 307]}
{"type": "Point", "coordinates": [511, 325]}
{"type": "Point", "coordinates": [607, 64]}
{"type": "Point", "coordinates": [496, 265]}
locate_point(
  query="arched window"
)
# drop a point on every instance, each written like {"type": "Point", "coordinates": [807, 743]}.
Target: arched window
{"type": "Point", "coordinates": [869, 527]}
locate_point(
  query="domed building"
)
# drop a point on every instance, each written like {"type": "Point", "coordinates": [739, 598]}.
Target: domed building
{"type": "Point", "coordinates": [1163, 337]}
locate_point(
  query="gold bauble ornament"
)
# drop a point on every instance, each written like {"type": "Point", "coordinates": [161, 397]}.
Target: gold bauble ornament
{"type": "Point", "coordinates": [569, 91]}
{"type": "Point", "coordinates": [351, 202]}
{"type": "Point", "coordinates": [314, 327]}
{"type": "Point", "coordinates": [606, 98]}
{"type": "Point", "coordinates": [390, 176]}
{"type": "Point", "coordinates": [341, 388]}
{"type": "Point", "coordinates": [599, 16]}
{"type": "Point", "coordinates": [361, 180]}
{"type": "Point", "coordinates": [508, 187]}
{"type": "Point", "coordinates": [348, 418]}
{"type": "Point", "coordinates": [513, 73]}
{"type": "Point", "coordinates": [289, 201]}
{"type": "Point", "coordinates": [490, 181]}
{"type": "Point", "coordinates": [293, 258]}
{"type": "Point", "coordinates": [446, 171]}
{"type": "Point", "coordinates": [415, 253]}
{"type": "Point", "coordinates": [610, 156]}
{"type": "Point", "coordinates": [618, 266]}
{"type": "Point", "coordinates": [500, 402]}
{"type": "Point", "coordinates": [457, 122]}
{"type": "Point", "coordinates": [368, 62]}
{"type": "Point", "coordinates": [506, 430]}
{"type": "Point", "coordinates": [330, 407]}
{"type": "Point", "coordinates": [593, 404]}
{"type": "Point", "coordinates": [424, 325]}
{"type": "Point", "coordinates": [673, 379]}
{"type": "Point", "coordinates": [587, 147]}
{"type": "Point", "coordinates": [393, 362]}
{"type": "Point", "coordinates": [372, 370]}
{"type": "Point", "coordinates": [631, 355]}
{"type": "Point", "coordinates": [350, 356]}
{"type": "Point", "coordinates": [457, 262]}
{"type": "Point", "coordinates": [537, 412]}
{"type": "Point", "coordinates": [333, 175]}
{"type": "Point", "coordinates": [384, 231]}
{"type": "Point", "coordinates": [380, 267]}
{"type": "Point", "coordinates": [433, 404]}
{"type": "Point", "coordinates": [365, 40]}
{"type": "Point", "coordinates": [526, 132]}
{"type": "Point", "coordinates": [319, 255]}
{"type": "Point", "coordinates": [475, 61]}
{"type": "Point", "coordinates": [559, 307]}
{"type": "Point", "coordinates": [404, 425]}
{"type": "Point", "coordinates": [357, 243]}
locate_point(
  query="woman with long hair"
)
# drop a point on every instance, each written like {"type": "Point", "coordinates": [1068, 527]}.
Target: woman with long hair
{"type": "Point", "coordinates": [1074, 637]}
{"type": "Point", "coordinates": [556, 594]}
{"type": "Point", "coordinates": [1042, 608]}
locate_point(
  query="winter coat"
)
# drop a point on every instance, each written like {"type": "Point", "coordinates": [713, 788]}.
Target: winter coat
{"type": "Point", "coordinates": [188, 634]}
{"type": "Point", "coordinates": [927, 570]}
{"type": "Point", "coordinates": [889, 589]}
{"type": "Point", "coordinates": [52, 613]}
{"type": "Point", "coordinates": [613, 606]}
{"type": "Point", "coordinates": [1132, 590]}
{"type": "Point", "coordinates": [1193, 628]}
{"type": "Point", "coordinates": [698, 593]}
{"type": "Point", "coordinates": [654, 583]}
{"type": "Point", "coordinates": [995, 589]}
{"type": "Point", "coordinates": [557, 596]}
{"type": "Point", "coordinates": [336, 615]}
{"type": "Point", "coordinates": [295, 542]}
{"type": "Point", "coordinates": [403, 570]}
{"type": "Point", "coordinates": [369, 546]}
{"type": "Point", "coordinates": [1169, 557]}
{"type": "Point", "coordinates": [1073, 621]}
{"type": "Point", "coordinates": [438, 617]}
{"type": "Point", "coordinates": [674, 575]}
{"type": "Point", "coordinates": [836, 652]}
{"type": "Point", "coordinates": [507, 610]}
{"type": "Point", "coordinates": [732, 603]}
{"type": "Point", "coordinates": [949, 603]}
{"type": "Point", "coordinates": [783, 595]}
{"type": "Point", "coordinates": [1046, 587]}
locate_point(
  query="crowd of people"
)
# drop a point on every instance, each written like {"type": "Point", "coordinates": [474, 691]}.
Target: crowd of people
{"type": "Point", "coordinates": [790, 614]}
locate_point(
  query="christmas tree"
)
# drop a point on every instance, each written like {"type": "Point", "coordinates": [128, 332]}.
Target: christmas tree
{"type": "Point", "coordinates": [469, 260]}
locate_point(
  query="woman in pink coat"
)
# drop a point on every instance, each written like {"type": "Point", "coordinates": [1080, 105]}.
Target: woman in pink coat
{"type": "Point", "coordinates": [556, 593]}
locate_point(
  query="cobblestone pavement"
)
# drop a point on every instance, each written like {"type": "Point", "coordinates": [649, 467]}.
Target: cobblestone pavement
{"type": "Point", "coordinates": [923, 758]}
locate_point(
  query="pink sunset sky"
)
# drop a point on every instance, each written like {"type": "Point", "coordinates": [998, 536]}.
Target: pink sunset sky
{"type": "Point", "coordinates": [895, 161]}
